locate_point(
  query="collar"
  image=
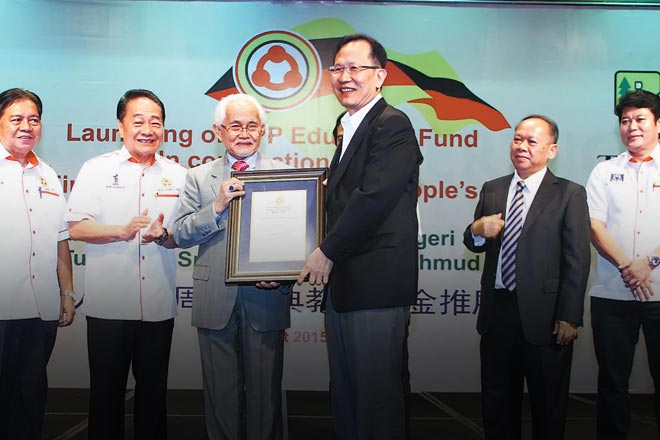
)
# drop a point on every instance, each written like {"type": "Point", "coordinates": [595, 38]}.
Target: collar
{"type": "Point", "coordinates": [533, 182]}
{"type": "Point", "coordinates": [32, 158]}
{"type": "Point", "coordinates": [251, 160]}
{"type": "Point", "coordinates": [356, 118]}
{"type": "Point", "coordinates": [125, 155]}
{"type": "Point", "coordinates": [653, 156]}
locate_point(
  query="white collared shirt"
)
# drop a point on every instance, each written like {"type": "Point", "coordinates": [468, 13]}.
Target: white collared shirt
{"type": "Point", "coordinates": [350, 123]}
{"type": "Point", "coordinates": [33, 217]}
{"type": "Point", "coordinates": [127, 280]}
{"type": "Point", "coordinates": [626, 196]}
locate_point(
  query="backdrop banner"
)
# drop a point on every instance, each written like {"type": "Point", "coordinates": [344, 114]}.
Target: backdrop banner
{"type": "Point", "coordinates": [473, 75]}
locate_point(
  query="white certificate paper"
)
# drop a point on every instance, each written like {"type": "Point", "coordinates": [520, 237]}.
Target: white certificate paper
{"type": "Point", "coordinates": [278, 229]}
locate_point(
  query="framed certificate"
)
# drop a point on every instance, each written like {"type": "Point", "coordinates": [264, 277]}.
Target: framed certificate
{"type": "Point", "coordinates": [276, 225]}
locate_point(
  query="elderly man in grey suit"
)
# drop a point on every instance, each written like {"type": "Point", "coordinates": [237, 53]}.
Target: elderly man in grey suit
{"type": "Point", "coordinates": [240, 328]}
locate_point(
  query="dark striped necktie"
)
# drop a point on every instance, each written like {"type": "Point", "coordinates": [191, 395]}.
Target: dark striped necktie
{"type": "Point", "coordinates": [512, 230]}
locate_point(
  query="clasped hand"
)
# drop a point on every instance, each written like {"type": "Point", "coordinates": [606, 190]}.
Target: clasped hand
{"type": "Point", "coordinates": [636, 276]}
{"type": "Point", "coordinates": [488, 226]}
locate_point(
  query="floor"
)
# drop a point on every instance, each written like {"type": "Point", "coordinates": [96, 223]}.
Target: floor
{"type": "Point", "coordinates": [446, 416]}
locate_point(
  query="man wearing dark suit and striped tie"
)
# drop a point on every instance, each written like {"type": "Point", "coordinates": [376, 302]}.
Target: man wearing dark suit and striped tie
{"type": "Point", "coordinates": [534, 228]}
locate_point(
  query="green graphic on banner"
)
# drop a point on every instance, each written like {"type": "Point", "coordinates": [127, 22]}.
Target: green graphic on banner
{"type": "Point", "coordinates": [287, 71]}
{"type": "Point", "coordinates": [627, 80]}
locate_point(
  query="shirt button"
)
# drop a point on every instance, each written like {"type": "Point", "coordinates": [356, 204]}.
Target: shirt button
{"type": "Point", "coordinates": [142, 278]}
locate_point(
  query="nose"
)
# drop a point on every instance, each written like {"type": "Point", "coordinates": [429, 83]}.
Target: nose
{"type": "Point", "coordinates": [25, 125]}
{"type": "Point", "coordinates": [344, 74]}
{"type": "Point", "coordinates": [147, 130]}
{"type": "Point", "coordinates": [522, 145]}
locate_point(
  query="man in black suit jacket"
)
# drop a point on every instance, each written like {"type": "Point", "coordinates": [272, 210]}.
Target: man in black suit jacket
{"type": "Point", "coordinates": [528, 332]}
{"type": "Point", "coordinates": [369, 257]}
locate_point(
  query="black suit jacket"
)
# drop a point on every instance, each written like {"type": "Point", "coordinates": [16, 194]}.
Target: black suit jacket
{"type": "Point", "coordinates": [371, 202]}
{"type": "Point", "coordinates": [552, 258]}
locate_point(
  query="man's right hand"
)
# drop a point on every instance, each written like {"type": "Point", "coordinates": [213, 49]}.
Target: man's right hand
{"type": "Point", "coordinates": [130, 230]}
{"type": "Point", "coordinates": [488, 226]}
{"type": "Point", "coordinates": [317, 268]}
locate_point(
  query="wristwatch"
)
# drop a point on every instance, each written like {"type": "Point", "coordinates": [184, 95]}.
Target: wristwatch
{"type": "Point", "coordinates": [654, 261]}
{"type": "Point", "coordinates": [163, 238]}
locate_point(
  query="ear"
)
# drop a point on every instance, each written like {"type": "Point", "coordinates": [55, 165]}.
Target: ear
{"type": "Point", "coordinates": [216, 130]}
{"type": "Point", "coordinates": [381, 74]}
{"type": "Point", "coordinates": [552, 151]}
{"type": "Point", "coordinates": [120, 127]}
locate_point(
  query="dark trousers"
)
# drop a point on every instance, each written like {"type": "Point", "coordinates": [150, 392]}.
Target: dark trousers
{"type": "Point", "coordinates": [616, 327]}
{"type": "Point", "coordinates": [365, 353]}
{"type": "Point", "coordinates": [112, 346]}
{"type": "Point", "coordinates": [507, 359]}
{"type": "Point", "coordinates": [25, 348]}
{"type": "Point", "coordinates": [242, 367]}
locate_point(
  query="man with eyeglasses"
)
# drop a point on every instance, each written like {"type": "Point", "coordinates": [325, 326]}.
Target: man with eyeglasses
{"type": "Point", "coordinates": [368, 259]}
{"type": "Point", "coordinates": [240, 328]}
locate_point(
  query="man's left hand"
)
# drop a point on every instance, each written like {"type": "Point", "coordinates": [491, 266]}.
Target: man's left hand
{"type": "Point", "coordinates": [565, 331]}
{"type": "Point", "coordinates": [155, 231]}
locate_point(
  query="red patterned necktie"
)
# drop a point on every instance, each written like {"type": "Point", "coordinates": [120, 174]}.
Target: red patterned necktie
{"type": "Point", "coordinates": [240, 165]}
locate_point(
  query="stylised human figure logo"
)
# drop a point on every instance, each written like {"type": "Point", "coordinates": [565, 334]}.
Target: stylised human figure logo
{"type": "Point", "coordinates": [277, 54]}
{"type": "Point", "coordinates": [280, 68]}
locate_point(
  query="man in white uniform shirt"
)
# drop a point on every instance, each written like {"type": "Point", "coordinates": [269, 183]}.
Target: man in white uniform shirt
{"type": "Point", "coordinates": [624, 206]}
{"type": "Point", "coordinates": [36, 275]}
{"type": "Point", "coordinates": [122, 204]}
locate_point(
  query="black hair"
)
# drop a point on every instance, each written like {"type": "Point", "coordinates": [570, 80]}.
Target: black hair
{"type": "Point", "coordinates": [134, 94]}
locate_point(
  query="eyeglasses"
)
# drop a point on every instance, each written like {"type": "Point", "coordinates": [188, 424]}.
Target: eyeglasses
{"type": "Point", "coordinates": [351, 70]}
{"type": "Point", "coordinates": [236, 129]}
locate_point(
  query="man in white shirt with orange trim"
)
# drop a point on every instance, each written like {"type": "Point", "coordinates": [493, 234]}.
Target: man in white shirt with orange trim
{"type": "Point", "coordinates": [624, 206]}
{"type": "Point", "coordinates": [122, 204]}
{"type": "Point", "coordinates": [36, 274]}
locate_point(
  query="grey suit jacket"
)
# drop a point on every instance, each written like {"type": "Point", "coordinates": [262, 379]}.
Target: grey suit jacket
{"type": "Point", "coordinates": [213, 300]}
{"type": "Point", "coordinates": [552, 258]}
